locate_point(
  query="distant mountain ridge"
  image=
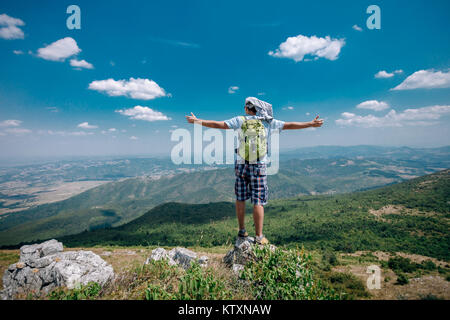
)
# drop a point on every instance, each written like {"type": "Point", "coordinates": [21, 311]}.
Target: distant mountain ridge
{"type": "Point", "coordinates": [119, 202]}
{"type": "Point", "coordinates": [411, 216]}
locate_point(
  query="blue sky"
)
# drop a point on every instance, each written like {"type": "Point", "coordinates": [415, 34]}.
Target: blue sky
{"type": "Point", "coordinates": [188, 54]}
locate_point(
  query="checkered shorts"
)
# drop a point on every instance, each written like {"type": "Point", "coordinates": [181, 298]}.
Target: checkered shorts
{"type": "Point", "coordinates": [251, 182]}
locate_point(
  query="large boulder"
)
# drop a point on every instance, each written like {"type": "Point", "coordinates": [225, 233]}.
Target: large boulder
{"type": "Point", "coordinates": [177, 256]}
{"type": "Point", "coordinates": [241, 253]}
{"type": "Point", "coordinates": [43, 267]}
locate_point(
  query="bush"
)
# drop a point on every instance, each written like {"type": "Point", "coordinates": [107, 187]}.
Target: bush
{"type": "Point", "coordinates": [400, 265]}
{"type": "Point", "coordinates": [429, 265]}
{"type": "Point", "coordinates": [402, 279]}
{"type": "Point", "coordinates": [80, 292]}
{"type": "Point", "coordinates": [196, 284]}
{"type": "Point", "coordinates": [348, 283]}
{"type": "Point", "coordinates": [285, 275]}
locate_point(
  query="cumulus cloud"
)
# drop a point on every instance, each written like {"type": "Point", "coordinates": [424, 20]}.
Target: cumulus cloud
{"type": "Point", "coordinates": [86, 125]}
{"type": "Point", "coordinates": [298, 47]}
{"type": "Point", "coordinates": [9, 27]}
{"type": "Point", "coordinates": [288, 108]}
{"type": "Point", "coordinates": [143, 89]}
{"type": "Point", "coordinates": [18, 52]}
{"type": "Point", "coordinates": [10, 123]}
{"type": "Point", "coordinates": [425, 79]}
{"type": "Point", "coordinates": [418, 117]}
{"type": "Point", "coordinates": [81, 64]}
{"type": "Point", "coordinates": [59, 50]}
{"type": "Point", "coordinates": [233, 89]}
{"type": "Point", "coordinates": [133, 138]}
{"type": "Point", "coordinates": [143, 113]}
{"type": "Point", "coordinates": [373, 105]}
{"type": "Point", "coordinates": [357, 28]}
{"type": "Point", "coordinates": [384, 74]}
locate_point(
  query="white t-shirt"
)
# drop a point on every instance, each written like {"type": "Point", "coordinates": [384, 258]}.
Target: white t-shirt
{"type": "Point", "coordinates": [236, 123]}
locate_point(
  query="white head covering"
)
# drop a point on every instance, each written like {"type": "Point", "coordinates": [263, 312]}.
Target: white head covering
{"type": "Point", "coordinates": [263, 109]}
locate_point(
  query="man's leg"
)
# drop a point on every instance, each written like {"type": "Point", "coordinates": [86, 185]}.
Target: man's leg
{"type": "Point", "coordinates": [258, 218]}
{"type": "Point", "coordinates": [240, 213]}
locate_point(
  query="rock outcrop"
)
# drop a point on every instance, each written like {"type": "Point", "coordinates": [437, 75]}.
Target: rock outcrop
{"type": "Point", "coordinates": [43, 267]}
{"type": "Point", "coordinates": [177, 256]}
{"type": "Point", "coordinates": [241, 254]}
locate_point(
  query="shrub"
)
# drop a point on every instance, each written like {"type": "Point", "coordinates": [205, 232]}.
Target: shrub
{"type": "Point", "coordinates": [429, 265]}
{"type": "Point", "coordinates": [80, 292]}
{"type": "Point", "coordinates": [402, 279]}
{"type": "Point", "coordinates": [400, 265]}
{"type": "Point", "coordinates": [195, 284]}
{"type": "Point", "coordinates": [348, 283]}
{"type": "Point", "coordinates": [279, 274]}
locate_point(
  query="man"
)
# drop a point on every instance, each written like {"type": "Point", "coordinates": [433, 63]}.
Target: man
{"type": "Point", "coordinates": [251, 177]}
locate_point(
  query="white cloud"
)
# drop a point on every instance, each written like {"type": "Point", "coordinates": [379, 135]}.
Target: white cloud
{"type": "Point", "coordinates": [288, 108]}
{"type": "Point", "coordinates": [9, 29]}
{"type": "Point", "coordinates": [297, 47]}
{"type": "Point", "coordinates": [383, 74]}
{"type": "Point", "coordinates": [373, 105]}
{"type": "Point", "coordinates": [418, 117]}
{"type": "Point", "coordinates": [143, 113]}
{"type": "Point", "coordinates": [233, 89]}
{"type": "Point", "coordinates": [261, 93]}
{"type": "Point", "coordinates": [143, 89]}
{"type": "Point", "coordinates": [17, 52]}
{"type": "Point", "coordinates": [307, 113]}
{"type": "Point", "coordinates": [425, 79]}
{"type": "Point", "coordinates": [133, 138]}
{"type": "Point", "coordinates": [357, 28]}
{"type": "Point", "coordinates": [59, 50]}
{"type": "Point", "coordinates": [10, 123]}
{"type": "Point", "coordinates": [86, 125]}
{"type": "Point", "coordinates": [112, 129]}
{"type": "Point", "coordinates": [81, 64]}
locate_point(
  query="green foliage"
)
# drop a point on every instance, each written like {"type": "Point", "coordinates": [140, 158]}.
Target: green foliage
{"type": "Point", "coordinates": [284, 274]}
{"type": "Point", "coordinates": [199, 284]}
{"type": "Point", "coordinates": [348, 284]}
{"type": "Point", "coordinates": [400, 265]}
{"type": "Point", "coordinates": [195, 284]}
{"type": "Point", "coordinates": [89, 291]}
{"type": "Point", "coordinates": [402, 279]}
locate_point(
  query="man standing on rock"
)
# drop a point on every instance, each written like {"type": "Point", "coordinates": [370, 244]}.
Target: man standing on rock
{"type": "Point", "coordinates": [251, 159]}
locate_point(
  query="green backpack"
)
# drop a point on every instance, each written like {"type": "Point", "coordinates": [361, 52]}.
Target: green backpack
{"type": "Point", "coordinates": [252, 140]}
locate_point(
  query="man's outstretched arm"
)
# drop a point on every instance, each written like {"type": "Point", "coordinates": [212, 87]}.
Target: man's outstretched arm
{"type": "Point", "coordinates": [303, 125]}
{"type": "Point", "coordinates": [207, 123]}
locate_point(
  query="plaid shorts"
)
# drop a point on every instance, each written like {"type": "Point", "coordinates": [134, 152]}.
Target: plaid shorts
{"type": "Point", "coordinates": [251, 182]}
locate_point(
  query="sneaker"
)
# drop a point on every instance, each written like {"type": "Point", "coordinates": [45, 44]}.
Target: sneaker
{"type": "Point", "coordinates": [242, 234]}
{"type": "Point", "coordinates": [262, 240]}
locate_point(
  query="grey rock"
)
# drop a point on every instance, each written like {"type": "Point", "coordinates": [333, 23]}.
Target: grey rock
{"type": "Point", "coordinates": [36, 251]}
{"type": "Point", "coordinates": [203, 260]}
{"type": "Point", "coordinates": [160, 254]}
{"type": "Point", "coordinates": [177, 256]}
{"type": "Point", "coordinates": [242, 252]}
{"type": "Point", "coordinates": [43, 267]}
{"type": "Point", "coordinates": [237, 268]}
{"type": "Point", "coordinates": [183, 257]}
